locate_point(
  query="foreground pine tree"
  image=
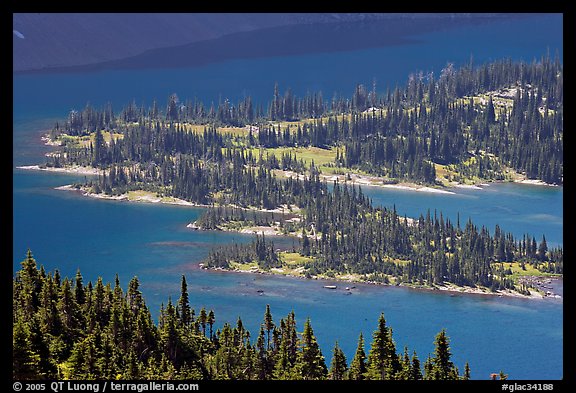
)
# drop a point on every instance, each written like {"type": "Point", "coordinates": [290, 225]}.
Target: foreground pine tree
{"type": "Point", "coordinates": [358, 365]}
{"type": "Point", "coordinates": [338, 368]}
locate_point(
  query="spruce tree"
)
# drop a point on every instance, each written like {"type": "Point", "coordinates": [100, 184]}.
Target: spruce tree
{"type": "Point", "coordinates": [39, 344]}
{"type": "Point", "coordinates": [31, 284]}
{"type": "Point", "coordinates": [490, 113]}
{"type": "Point", "coordinates": [24, 360]}
{"type": "Point", "coordinates": [466, 375]}
{"type": "Point", "coordinates": [338, 367]}
{"type": "Point", "coordinates": [382, 359]}
{"type": "Point", "coordinates": [203, 318]}
{"type": "Point", "coordinates": [183, 308]}
{"type": "Point", "coordinates": [416, 372]}
{"type": "Point", "coordinates": [358, 365]}
{"type": "Point", "coordinates": [268, 325]}
{"type": "Point", "coordinates": [542, 249]}
{"type": "Point", "coordinates": [443, 368]}
{"type": "Point", "coordinates": [284, 369]}
{"type": "Point", "coordinates": [311, 362]}
{"type": "Point", "coordinates": [429, 374]}
{"type": "Point", "coordinates": [262, 366]}
{"type": "Point", "coordinates": [211, 320]}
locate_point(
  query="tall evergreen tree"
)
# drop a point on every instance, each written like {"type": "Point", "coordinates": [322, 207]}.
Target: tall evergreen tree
{"type": "Point", "coordinates": [443, 368]}
{"type": "Point", "coordinates": [416, 372]}
{"type": "Point", "coordinates": [382, 359]}
{"type": "Point", "coordinates": [311, 362]}
{"type": "Point", "coordinates": [24, 360]}
{"type": "Point", "coordinates": [358, 369]}
{"type": "Point", "coordinates": [338, 367]}
{"type": "Point", "coordinates": [268, 325]}
{"type": "Point", "coordinates": [183, 308]}
{"type": "Point", "coordinates": [542, 249]}
{"type": "Point", "coordinates": [466, 375]}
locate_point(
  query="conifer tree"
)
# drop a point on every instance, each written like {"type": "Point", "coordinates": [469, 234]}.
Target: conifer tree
{"type": "Point", "coordinates": [542, 249]}
{"type": "Point", "coordinates": [31, 284]}
{"type": "Point", "coordinates": [382, 359]}
{"type": "Point", "coordinates": [48, 313]}
{"type": "Point", "coordinates": [429, 374]}
{"type": "Point", "coordinates": [24, 360]}
{"type": "Point", "coordinates": [466, 375]}
{"type": "Point", "coordinates": [490, 113]}
{"type": "Point", "coordinates": [284, 369]}
{"type": "Point", "coordinates": [39, 344]}
{"type": "Point", "coordinates": [338, 367]}
{"type": "Point", "coordinates": [416, 372]}
{"type": "Point", "coordinates": [183, 308]}
{"type": "Point", "coordinates": [262, 360]}
{"type": "Point", "coordinates": [357, 369]}
{"type": "Point", "coordinates": [268, 325]}
{"type": "Point", "coordinates": [203, 318]}
{"type": "Point", "coordinates": [211, 320]}
{"type": "Point", "coordinates": [406, 366]}
{"type": "Point", "coordinates": [311, 362]}
{"type": "Point", "coordinates": [443, 368]}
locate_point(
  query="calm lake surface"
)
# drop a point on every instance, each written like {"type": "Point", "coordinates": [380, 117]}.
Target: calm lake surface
{"type": "Point", "coordinates": [103, 238]}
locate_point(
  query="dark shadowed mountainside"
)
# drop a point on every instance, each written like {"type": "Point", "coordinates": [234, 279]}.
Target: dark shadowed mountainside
{"type": "Point", "coordinates": [44, 41]}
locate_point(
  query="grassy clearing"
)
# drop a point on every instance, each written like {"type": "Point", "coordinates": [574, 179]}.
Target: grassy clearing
{"type": "Point", "coordinates": [141, 194]}
{"type": "Point", "coordinates": [86, 140]}
{"type": "Point", "coordinates": [528, 270]}
{"type": "Point", "coordinates": [400, 262]}
{"type": "Point", "coordinates": [333, 170]}
{"type": "Point", "coordinates": [244, 267]}
{"type": "Point", "coordinates": [74, 141]}
{"type": "Point", "coordinates": [294, 259]}
{"type": "Point", "coordinates": [291, 265]}
{"type": "Point", "coordinates": [500, 103]}
{"type": "Point", "coordinates": [150, 196]}
{"type": "Point", "coordinates": [199, 129]}
{"type": "Point", "coordinates": [293, 125]}
{"type": "Point", "coordinates": [444, 173]}
{"type": "Point", "coordinates": [320, 156]}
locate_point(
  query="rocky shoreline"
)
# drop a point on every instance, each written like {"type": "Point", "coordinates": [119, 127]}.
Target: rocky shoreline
{"type": "Point", "coordinates": [448, 288]}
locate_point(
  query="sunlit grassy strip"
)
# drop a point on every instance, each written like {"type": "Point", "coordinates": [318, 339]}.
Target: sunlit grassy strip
{"type": "Point", "coordinates": [288, 268]}
{"type": "Point", "coordinates": [293, 125]}
{"type": "Point", "coordinates": [528, 270]}
{"type": "Point", "coordinates": [294, 259]}
{"type": "Point", "coordinates": [199, 129]}
{"type": "Point", "coordinates": [243, 267]}
{"type": "Point", "coordinates": [500, 103]}
{"type": "Point", "coordinates": [293, 264]}
{"type": "Point", "coordinates": [142, 195]}
{"type": "Point", "coordinates": [444, 173]}
{"type": "Point", "coordinates": [85, 140]}
{"type": "Point", "coordinates": [307, 154]}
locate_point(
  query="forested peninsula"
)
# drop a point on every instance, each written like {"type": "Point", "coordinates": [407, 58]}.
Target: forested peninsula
{"type": "Point", "coordinates": [292, 166]}
{"type": "Point", "coordinates": [64, 328]}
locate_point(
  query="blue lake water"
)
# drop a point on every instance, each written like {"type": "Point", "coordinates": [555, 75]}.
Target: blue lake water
{"type": "Point", "coordinates": [67, 231]}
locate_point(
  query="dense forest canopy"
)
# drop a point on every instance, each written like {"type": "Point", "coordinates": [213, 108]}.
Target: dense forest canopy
{"type": "Point", "coordinates": [67, 329]}
{"type": "Point", "coordinates": [478, 120]}
{"type": "Point", "coordinates": [341, 233]}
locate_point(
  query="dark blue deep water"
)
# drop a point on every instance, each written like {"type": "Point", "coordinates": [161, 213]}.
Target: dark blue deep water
{"type": "Point", "coordinates": [104, 238]}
